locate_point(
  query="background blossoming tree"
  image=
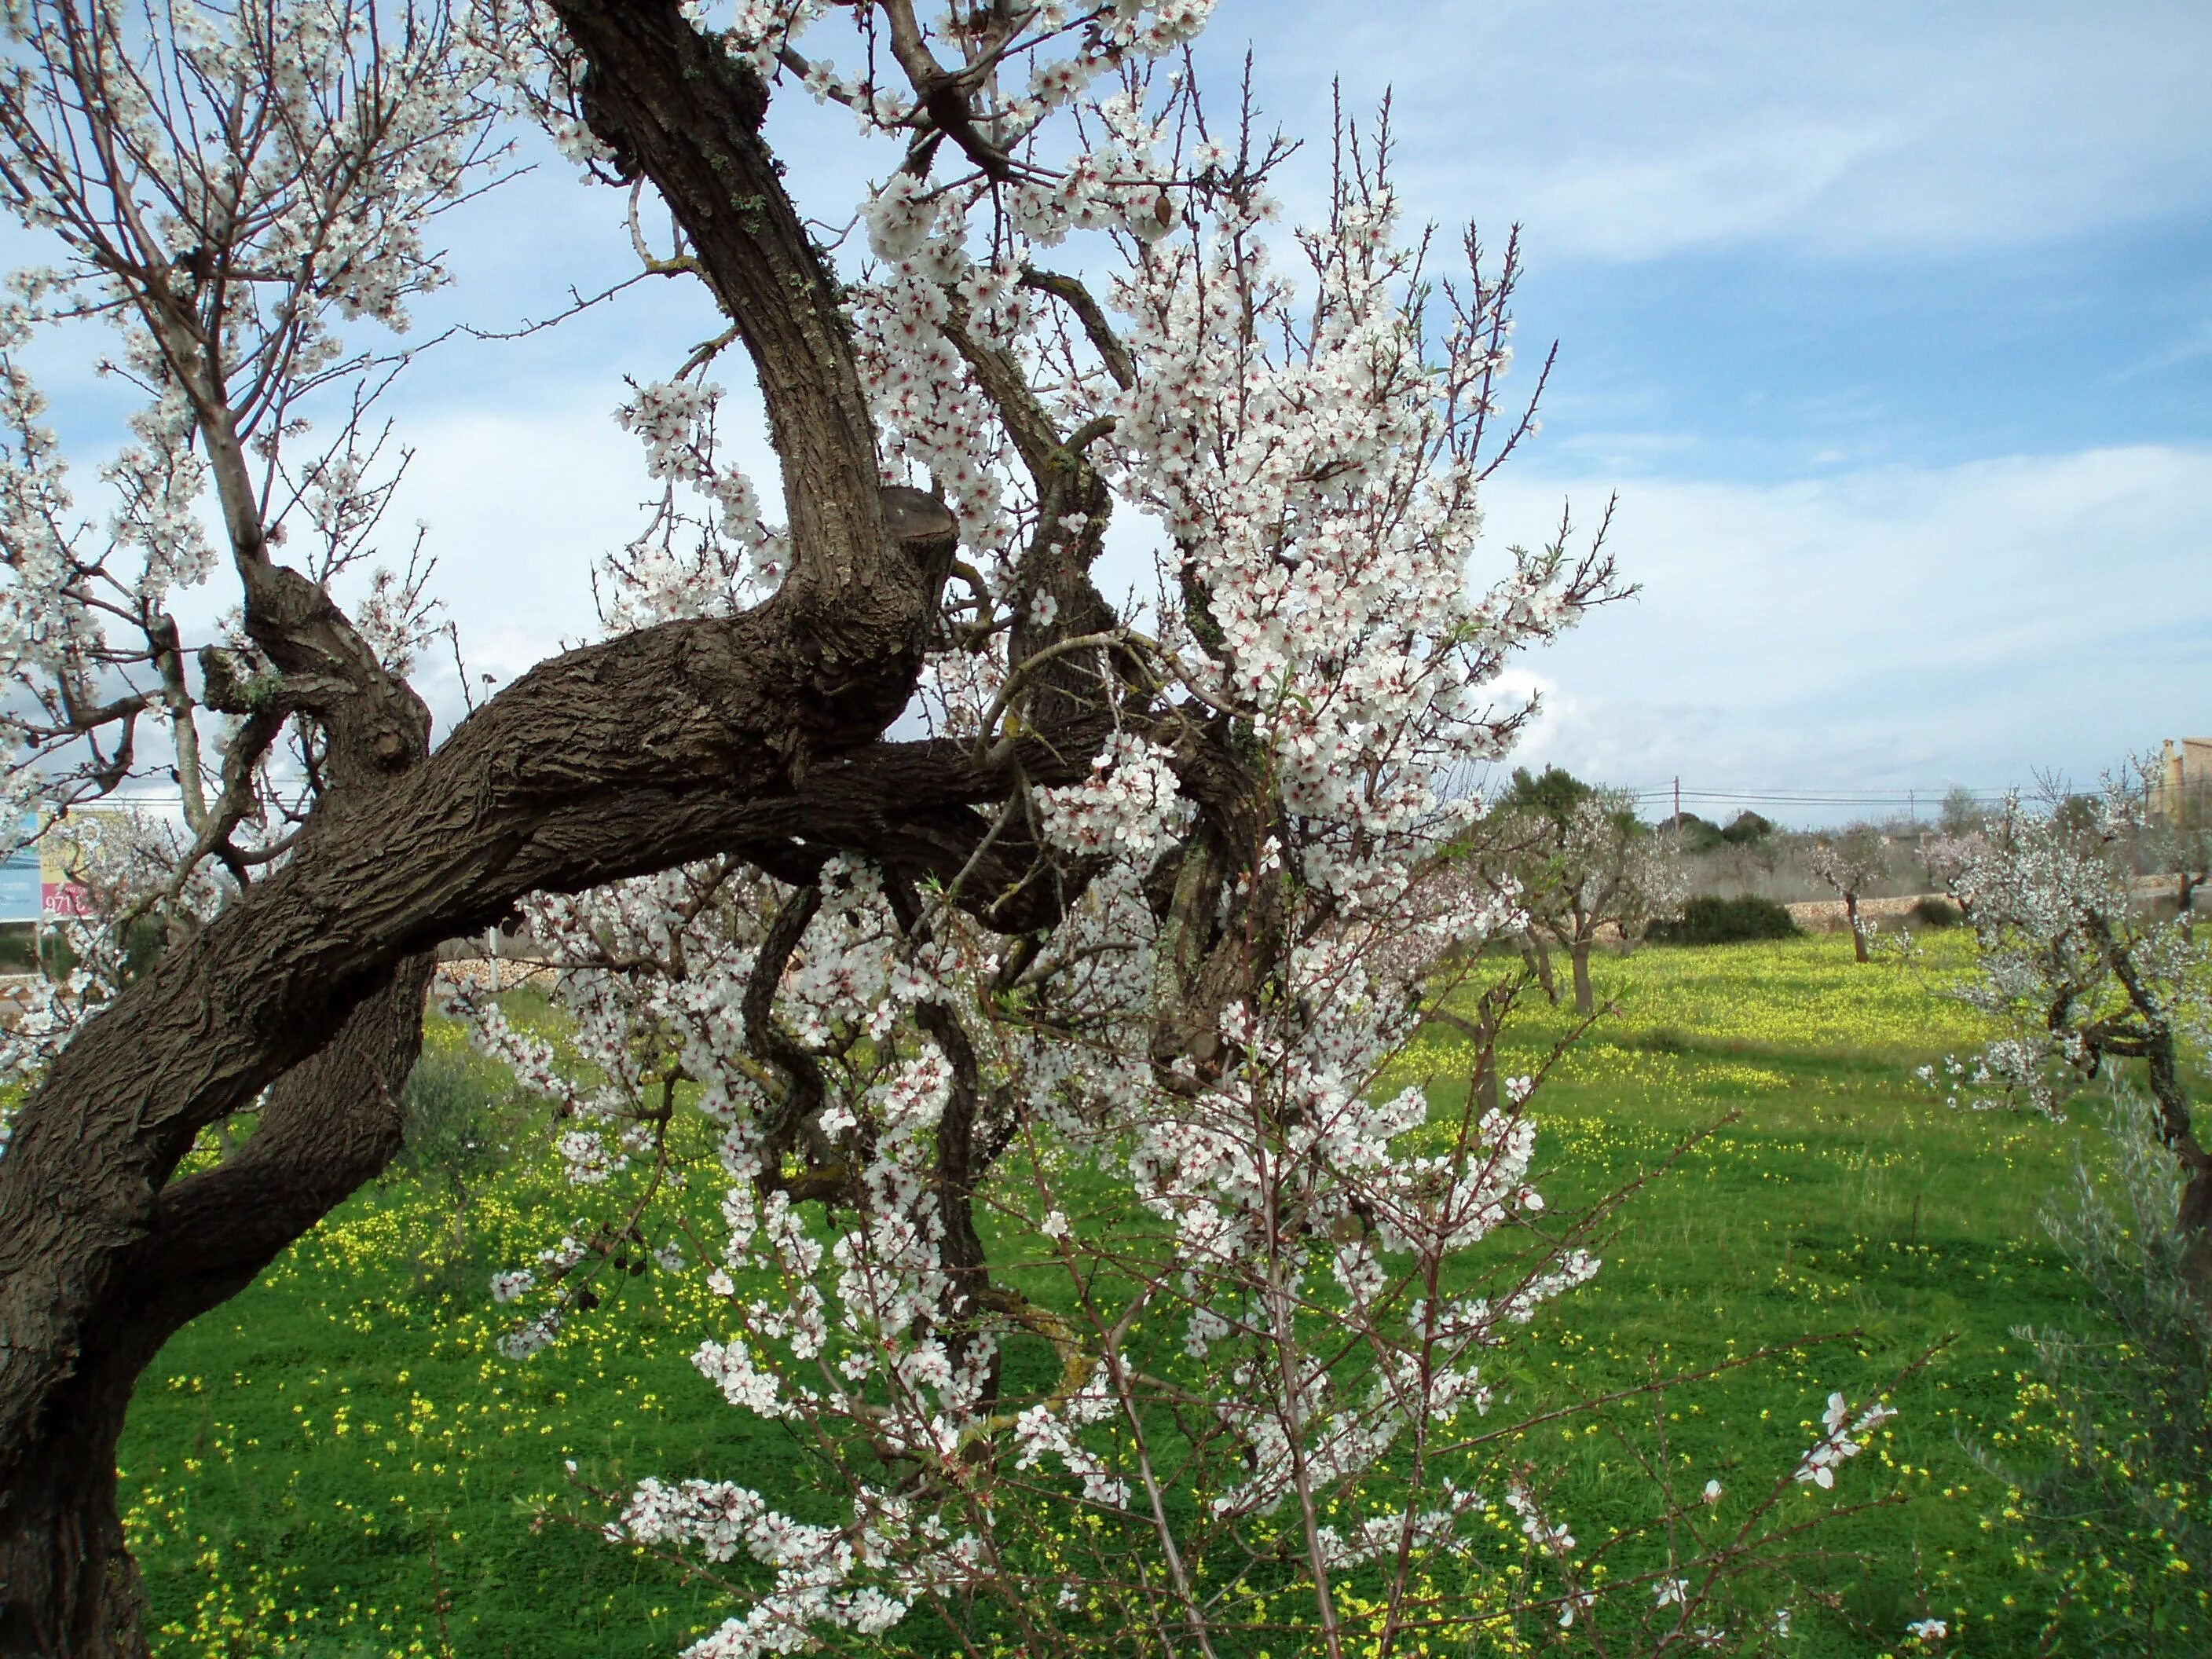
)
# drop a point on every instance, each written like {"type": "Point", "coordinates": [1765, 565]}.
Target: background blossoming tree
{"type": "Point", "coordinates": [1851, 863]}
{"type": "Point", "coordinates": [2085, 973]}
{"type": "Point", "coordinates": [1580, 861]}
{"type": "Point", "coordinates": [1037, 1056]}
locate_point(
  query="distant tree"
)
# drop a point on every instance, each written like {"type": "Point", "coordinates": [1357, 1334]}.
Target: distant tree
{"type": "Point", "coordinates": [1529, 818]}
{"type": "Point", "coordinates": [1962, 812]}
{"type": "Point", "coordinates": [1851, 863]}
{"type": "Point", "coordinates": [2083, 814]}
{"type": "Point", "coordinates": [1944, 859]}
{"type": "Point", "coordinates": [1747, 829]}
{"type": "Point", "coordinates": [1691, 833]}
{"type": "Point", "coordinates": [2080, 978]}
{"type": "Point", "coordinates": [1750, 848]}
{"type": "Point", "coordinates": [1584, 863]}
{"type": "Point", "coordinates": [1554, 793]}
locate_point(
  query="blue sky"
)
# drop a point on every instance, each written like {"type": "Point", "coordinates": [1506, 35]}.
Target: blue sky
{"type": "Point", "coordinates": [1892, 327]}
{"type": "Point", "coordinates": [1890, 323]}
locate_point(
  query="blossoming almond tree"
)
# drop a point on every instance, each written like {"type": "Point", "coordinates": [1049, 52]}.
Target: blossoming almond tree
{"type": "Point", "coordinates": [1582, 862]}
{"type": "Point", "coordinates": [1040, 1058]}
{"type": "Point", "coordinates": [1851, 863]}
{"type": "Point", "coordinates": [2081, 971]}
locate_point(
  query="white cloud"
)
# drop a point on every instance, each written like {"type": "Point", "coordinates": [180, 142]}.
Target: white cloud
{"type": "Point", "coordinates": [1717, 187]}
{"type": "Point", "coordinates": [519, 507]}
{"type": "Point", "coordinates": [1916, 626]}
{"type": "Point", "coordinates": [1633, 129]}
{"type": "Point", "coordinates": [1904, 626]}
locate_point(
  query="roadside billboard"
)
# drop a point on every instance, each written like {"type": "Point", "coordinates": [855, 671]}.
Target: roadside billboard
{"type": "Point", "coordinates": [60, 892]}
{"type": "Point", "coordinates": [41, 882]}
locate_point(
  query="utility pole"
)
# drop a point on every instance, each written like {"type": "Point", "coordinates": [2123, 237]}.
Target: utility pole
{"type": "Point", "coordinates": [1678, 805]}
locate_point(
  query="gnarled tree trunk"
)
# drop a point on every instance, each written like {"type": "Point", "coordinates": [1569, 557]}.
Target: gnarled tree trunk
{"type": "Point", "coordinates": [70, 1584]}
{"type": "Point", "coordinates": [755, 733]}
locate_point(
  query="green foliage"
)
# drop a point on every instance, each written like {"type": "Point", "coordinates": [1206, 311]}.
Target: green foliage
{"type": "Point", "coordinates": [2110, 1455]}
{"type": "Point", "coordinates": [464, 1125]}
{"type": "Point", "coordinates": [1693, 834]}
{"type": "Point", "coordinates": [1745, 829]}
{"type": "Point", "coordinates": [1962, 812]}
{"type": "Point", "coordinates": [1929, 911]}
{"type": "Point", "coordinates": [1555, 794]}
{"type": "Point", "coordinates": [340, 1462]}
{"type": "Point", "coordinates": [2078, 815]}
{"type": "Point", "coordinates": [1709, 921]}
{"type": "Point", "coordinates": [463, 1121]}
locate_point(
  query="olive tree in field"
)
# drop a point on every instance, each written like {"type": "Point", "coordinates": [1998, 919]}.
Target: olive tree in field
{"type": "Point", "coordinates": [1038, 1059]}
{"type": "Point", "coordinates": [1851, 863]}
{"type": "Point", "coordinates": [1582, 862]}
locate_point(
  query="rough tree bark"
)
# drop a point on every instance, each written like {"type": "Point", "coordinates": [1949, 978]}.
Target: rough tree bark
{"type": "Point", "coordinates": [1585, 998]}
{"type": "Point", "coordinates": [757, 734]}
{"type": "Point", "coordinates": [1858, 929]}
{"type": "Point", "coordinates": [71, 1585]}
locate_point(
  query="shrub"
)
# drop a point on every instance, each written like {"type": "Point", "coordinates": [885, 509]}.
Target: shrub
{"type": "Point", "coordinates": [2107, 1467]}
{"type": "Point", "coordinates": [463, 1121]}
{"type": "Point", "coordinates": [1692, 833]}
{"type": "Point", "coordinates": [1709, 921]}
{"type": "Point", "coordinates": [1930, 911]}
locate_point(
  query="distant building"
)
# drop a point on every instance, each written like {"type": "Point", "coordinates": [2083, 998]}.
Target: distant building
{"type": "Point", "coordinates": [2181, 786]}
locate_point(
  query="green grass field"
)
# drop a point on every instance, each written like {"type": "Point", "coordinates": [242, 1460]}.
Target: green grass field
{"type": "Point", "coordinates": [340, 1461]}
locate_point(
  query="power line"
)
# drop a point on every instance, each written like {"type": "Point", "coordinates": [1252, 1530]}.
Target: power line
{"type": "Point", "coordinates": [1813, 796]}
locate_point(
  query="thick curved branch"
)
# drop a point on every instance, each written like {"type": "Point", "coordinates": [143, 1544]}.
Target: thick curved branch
{"type": "Point", "coordinates": [677, 108]}
{"type": "Point", "coordinates": [655, 750]}
{"type": "Point", "coordinates": [1079, 300]}
{"type": "Point", "coordinates": [804, 1088]}
{"type": "Point", "coordinates": [327, 1125]}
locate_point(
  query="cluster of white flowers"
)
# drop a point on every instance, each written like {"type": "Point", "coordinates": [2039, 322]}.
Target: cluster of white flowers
{"type": "Point", "coordinates": [1127, 806]}
{"type": "Point", "coordinates": [688, 561]}
{"type": "Point", "coordinates": [814, 1565]}
{"type": "Point", "coordinates": [1847, 1437]}
{"type": "Point", "coordinates": [996, 1205]}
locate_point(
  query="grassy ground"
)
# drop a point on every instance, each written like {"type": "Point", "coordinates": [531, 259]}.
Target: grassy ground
{"type": "Point", "coordinates": [1836, 1194]}
{"type": "Point", "coordinates": [340, 1460]}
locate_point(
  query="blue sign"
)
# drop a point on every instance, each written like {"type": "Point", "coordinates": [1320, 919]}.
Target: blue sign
{"type": "Point", "coordinates": [20, 896]}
